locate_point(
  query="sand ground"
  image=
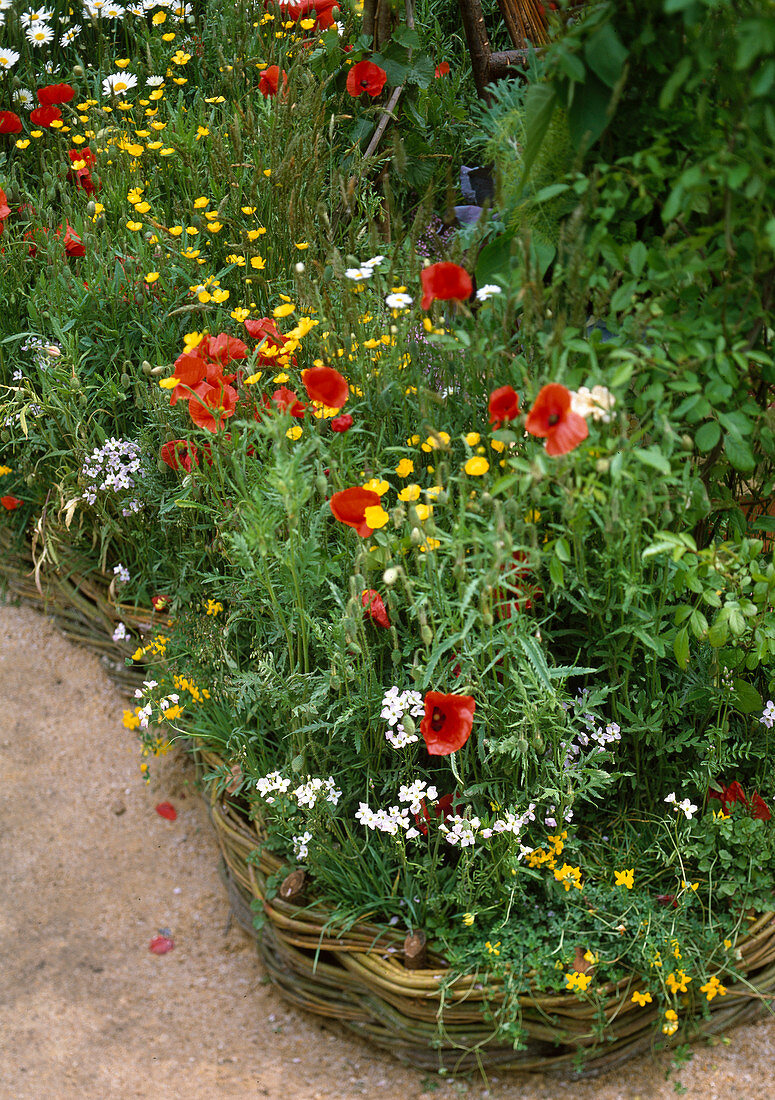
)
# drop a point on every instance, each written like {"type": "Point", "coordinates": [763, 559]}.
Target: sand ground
{"type": "Point", "coordinates": [89, 872]}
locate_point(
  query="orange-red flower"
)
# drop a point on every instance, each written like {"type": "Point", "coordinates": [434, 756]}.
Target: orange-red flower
{"type": "Point", "coordinates": [44, 116]}
{"type": "Point", "coordinates": [445, 281]}
{"type": "Point", "coordinates": [55, 93]}
{"type": "Point", "coordinates": [341, 423]}
{"type": "Point", "coordinates": [374, 607]}
{"type": "Point", "coordinates": [161, 603]}
{"type": "Point", "coordinates": [270, 81]}
{"type": "Point", "coordinates": [223, 348]}
{"type": "Point", "coordinates": [447, 723]}
{"type": "Point", "coordinates": [366, 77]}
{"type": "Point", "coordinates": [10, 503]}
{"type": "Point", "coordinates": [320, 10]}
{"type": "Point", "coordinates": [210, 405]}
{"type": "Point", "coordinates": [5, 209]}
{"type": "Point", "coordinates": [10, 123]}
{"type": "Point", "coordinates": [326, 385]}
{"type": "Point", "coordinates": [74, 246]}
{"type": "Point", "coordinates": [551, 417]}
{"type": "Point", "coordinates": [179, 453]}
{"type": "Point", "coordinates": [349, 507]}
{"type": "Point", "coordinates": [442, 69]}
{"type": "Point", "coordinates": [503, 405]}
{"type": "Point", "coordinates": [286, 401]}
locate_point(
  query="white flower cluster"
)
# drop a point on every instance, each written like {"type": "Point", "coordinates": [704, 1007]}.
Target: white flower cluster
{"type": "Point", "coordinates": [308, 793]}
{"type": "Point", "coordinates": [414, 793]}
{"type": "Point", "coordinates": [113, 468]}
{"type": "Point", "coordinates": [768, 717]}
{"type": "Point", "coordinates": [511, 823]}
{"type": "Point", "coordinates": [688, 808]}
{"type": "Point", "coordinates": [300, 845]}
{"type": "Point", "coordinates": [460, 831]}
{"type": "Point", "coordinates": [597, 403]}
{"type": "Point", "coordinates": [268, 784]}
{"type": "Point", "coordinates": [396, 705]}
{"type": "Point", "coordinates": [122, 573]}
{"type": "Point", "coordinates": [144, 714]}
{"type": "Point", "coordinates": [390, 821]}
{"type": "Point", "coordinates": [365, 270]}
{"type": "Point", "coordinates": [398, 300]}
{"type": "Point", "coordinates": [120, 634]}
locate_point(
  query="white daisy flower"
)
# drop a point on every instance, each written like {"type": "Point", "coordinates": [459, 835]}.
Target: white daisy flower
{"type": "Point", "coordinates": [39, 35]}
{"type": "Point", "coordinates": [358, 274]}
{"type": "Point", "coordinates": [136, 9]}
{"type": "Point", "coordinates": [8, 58]}
{"type": "Point", "coordinates": [5, 4]}
{"type": "Point", "coordinates": [398, 301]}
{"type": "Point", "coordinates": [34, 17]}
{"type": "Point", "coordinates": [489, 290]}
{"type": "Point", "coordinates": [155, 81]}
{"type": "Point", "coordinates": [22, 97]}
{"type": "Point", "coordinates": [375, 261]}
{"type": "Point", "coordinates": [70, 35]}
{"type": "Point", "coordinates": [180, 11]}
{"type": "Point", "coordinates": [119, 83]}
{"type": "Point", "coordinates": [112, 11]}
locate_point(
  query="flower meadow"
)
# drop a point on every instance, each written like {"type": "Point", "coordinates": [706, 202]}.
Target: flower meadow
{"type": "Point", "coordinates": [455, 533]}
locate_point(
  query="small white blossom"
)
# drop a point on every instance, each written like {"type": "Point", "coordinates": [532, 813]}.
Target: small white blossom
{"type": "Point", "coordinates": [768, 716]}
{"type": "Point", "coordinates": [398, 301]}
{"type": "Point", "coordinates": [8, 59]}
{"type": "Point", "coordinates": [120, 633]}
{"type": "Point", "coordinates": [122, 573]}
{"type": "Point", "coordinates": [358, 274]}
{"type": "Point", "coordinates": [689, 809]}
{"type": "Point", "coordinates": [489, 290]}
{"type": "Point", "coordinates": [300, 845]}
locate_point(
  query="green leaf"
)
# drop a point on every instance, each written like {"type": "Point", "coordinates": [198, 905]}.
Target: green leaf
{"type": "Point", "coordinates": [556, 571]}
{"type": "Point", "coordinates": [736, 422]}
{"type": "Point", "coordinates": [562, 550]}
{"type": "Point", "coordinates": [637, 257]}
{"type": "Point", "coordinates": [622, 296]}
{"type": "Point", "coordinates": [421, 71]}
{"type": "Point", "coordinates": [550, 192]}
{"type": "Point", "coordinates": [652, 456]}
{"type": "Point", "coordinates": [605, 55]}
{"type": "Point", "coordinates": [540, 102]}
{"type": "Point", "coordinates": [676, 79]}
{"type": "Point", "coordinates": [495, 260]}
{"type": "Point", "coordinates": [746, 698]}
{"type": "Point", "coordinates": [681, 647]}
{"type": "Point", "coordinates": [739, 453]}
{"type": "Point", "coordinates": [588, 113]}
{"type": "Point", "coordinates": [707, 436]}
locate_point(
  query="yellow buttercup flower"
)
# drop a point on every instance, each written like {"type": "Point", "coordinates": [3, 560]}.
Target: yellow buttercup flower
{"type": "Point", "coordinates": [376, 517]}
{"type": "Point", "coordinates": [641, 998]}
{"type": "Point", "coordinates": [625, 878]}
{"type": "Point", "coordinates": [376, 486]}
{"type": "Point", "coordinates": [476, 467]}
{"type": "Point", "coordinates": [405, 467]}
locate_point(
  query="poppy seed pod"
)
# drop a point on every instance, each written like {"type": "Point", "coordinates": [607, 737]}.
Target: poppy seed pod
{"type": "Point", "coordinates": [426, 634]}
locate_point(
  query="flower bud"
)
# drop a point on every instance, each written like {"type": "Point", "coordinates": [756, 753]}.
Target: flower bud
{"type": "Point", "coordinates": [390, 576]}
{"type": "Point", "coordinates": [426, 634]}
{"type": "Point", "coordinates": [408, 723]}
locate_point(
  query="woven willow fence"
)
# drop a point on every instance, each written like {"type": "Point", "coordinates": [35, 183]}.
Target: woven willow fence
{"type": "Point", "coordinates": [362, 975]}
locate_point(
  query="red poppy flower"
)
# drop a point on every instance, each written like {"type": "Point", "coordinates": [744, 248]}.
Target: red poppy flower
{"type": "Point", "coordinates": [366, 77]}
{"type": "Point", "coordinates": [447, 723]}
{"type": "Point", "coordinates": [167, 811]}
{"type": "Point", "coordinates": [503, 405]}
{"type": "Point", "coordinates": [10, 123]}
{"type": "Point", "coordinates": [446, 807]}
{"type": "Point", "coordinates": [445, 281]}
{"type": "Point", "coordinates": [224, 348]}
{"type": "Point", "coordinates": [287, 401]}
{"type": "Point", "coordinates": [179, 453]}
{"type": "Point", "coordinates": [55, 93]}
{"type": "Point", "coordinates": [210, 406]}
{"type": "Point", "coordinates": [85, 154]}
{"type": "Point", "coordinates": [44, 116]}
{"type": "Point", "coordinates": [442, 69]}
{"type": "Point", "coordinates": [375, 608]}
{"type": "Point", "coordinates": [321, 10]}
{"type": "Point", "coordinates": [5, 209]}
{"type": "Point", "coordinates": [270, 80]}
{"type": "Point", "coordinates": [326, 385]}
{"type": "Point", "coordinates": [551, 417]}
{"type": "Point", "coordinates": [759, 808]}
{"type": "Point", "coordinates": [160, 945]}
{"type": "Point", "coordinates": [342, 423]}
{"type": "Point", "coordinates": [349, 506]}
{"type": "Point", "coordinates": [516, 595]}
{"type": "Point", "coordinates": [263, 329]}
{"type": "Point", "coordinates": [9, 503]}
{"type": "Point", "coordinates": [161, 603]}
{"type": "Point", "coordinates": [74, 246]}
{"type": "Point", "coordinates": [81, 176]}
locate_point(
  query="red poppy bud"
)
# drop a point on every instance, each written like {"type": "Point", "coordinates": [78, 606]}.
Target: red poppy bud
{"type": "Point", "coordinates": [366, 77]}
{"type": "Point", "coordinates": [10, 123]}
{"type": "Point", "coordinates": [375, 608]}
{"type": "Point", "coordinates": [503, 405]}
{"type": "Point", "coordinates": [349, 507]}
{"type": "Point", "coordinates": [55, 93]}
{"type": "Point", "coordinates": [326, 385]}
{"type": "Point", "coordinates": [10, 503]}
{"type": "Point", "coordinates": [551, 417]}
{"type": "Point", "coordinates": [445, 281]}
{"type": "Point", "coordinates": [342, 423]}
{"type": "Point", "coordinates": [167, 811]}
{"type": "Point", "coordinates": [447, 723]}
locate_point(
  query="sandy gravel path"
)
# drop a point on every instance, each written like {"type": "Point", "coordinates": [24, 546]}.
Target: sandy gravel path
{"type": "Point", "coordinates": [89, 873]}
